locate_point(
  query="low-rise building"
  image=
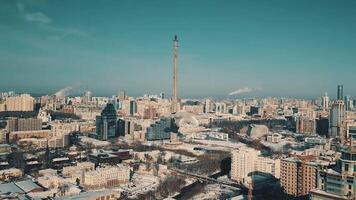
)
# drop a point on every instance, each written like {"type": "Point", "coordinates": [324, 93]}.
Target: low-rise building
{"type": "Point", "coordinates": [79, 168]}
{"type": "Point", "coordinates": [106, 177]}
{"type": "Point", "coordinates": [274, 138]}
{"type": "Point", "coordinates": [17, 135]}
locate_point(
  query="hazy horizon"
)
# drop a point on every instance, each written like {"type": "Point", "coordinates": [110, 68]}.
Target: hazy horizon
{"type": "Point", "coordinates": [298, 49]}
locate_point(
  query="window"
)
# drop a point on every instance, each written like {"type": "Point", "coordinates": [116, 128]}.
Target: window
{"type": "Point", "coordinates": [346, 167]}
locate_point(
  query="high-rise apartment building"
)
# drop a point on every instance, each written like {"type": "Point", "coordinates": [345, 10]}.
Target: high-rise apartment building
{"type": "Point", "coordinates": [23, 102]}
{"type": "Point", "coordinates": [106, 123]}
{"type": "Point", "coordinates": [325, 102]}
{"type": "Point", "coordinates": [207, 106]}
{"type": "Point", "coordinates": [87, 97]}
{"type": "Point", "coordinates": [23, 124]}
{"type": "Point", "coordinates": [298, 175]}
{"type": "Point", "coordinates": [337, 116]}
{"type": "Point", "coordinates": [149, 113]}
{"type": "Point", "coordinates": [245, 161]}
{"type": "Point", "coordinates": [220, 108]}
{"type": "Point", "coordinates": [133, 107]}
{"type": "Point", "coordinates": [305, 125]}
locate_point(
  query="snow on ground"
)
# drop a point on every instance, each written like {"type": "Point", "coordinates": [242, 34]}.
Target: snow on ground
{"type": "Point", "coordinates": [220, 145]}
{"type": "Point", "coordinates": [141, 184]}
{"type": "Point", "coordinates": [213, 191]}
{"type": "Point", "coordinates": [276, 146]}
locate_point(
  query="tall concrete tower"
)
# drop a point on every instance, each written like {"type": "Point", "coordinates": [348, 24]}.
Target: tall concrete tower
{"type": "Point", "coordinates": [326, 102]}
{"type": "Point", "coordinates": [174, 107]}
{"type": "Point", "coordinates": [340, 92]}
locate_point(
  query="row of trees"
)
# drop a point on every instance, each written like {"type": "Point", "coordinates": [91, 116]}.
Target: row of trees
{"type": "Point", "coordinates": [170, 186]}
{"type": "Point", "coordinates": [207, 163]}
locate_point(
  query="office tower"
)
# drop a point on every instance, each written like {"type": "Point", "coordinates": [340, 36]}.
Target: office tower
{"type": "Point", "coordinates": [174, 107]}
{"type": "Point", "coordinates": [340, 92]}
{"type": "Point", "coordinates": [245, 160]}
{"type": "Point", "coordinates": [87, 97]}
{"type": "Point", "coordinates": [255, 110]}
{"type": "Point", "coordinates": [23, 102]}
{"type": "Point", "coordinates": [322, 126]}
{"type": "Point", "coordinates": [23, 124]}
{"type": "Point", "coordinates": [340, 181]}
{"type": "Point", "coordinates": [305, 124]}
{"type": "Point", "coordinates": [161, 129]}
{"type": "Point", "coordinates": [336, 118]}
{"type": "Point", "coordinates": [348, 103]}
{"type": "Point", "coordinates": [298, 175]}
{"type": "Point", "coordinates": [106, 123]}
{"type": "Point", "coordinates": [325, 102]}
{"type": "Point", "coordinates": [133, 107]}
{"type": "Point", "coordinates": [126, 127]}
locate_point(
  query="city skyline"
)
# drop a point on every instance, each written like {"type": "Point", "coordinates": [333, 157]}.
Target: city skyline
{"type": "Point", "coordinates": [296, 49]}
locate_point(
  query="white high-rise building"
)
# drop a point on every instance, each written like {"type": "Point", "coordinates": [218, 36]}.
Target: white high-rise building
{"type": "Point", "coordinates": [87, 97]}
{"type": "Point", "coordinates": [207, 106]}
{"type": "Point", "coordinates": [220, 108]}
{"type": "Point", "coordinates": [326, 102]}
{"type": "Point", "coordinates": [247, 160]}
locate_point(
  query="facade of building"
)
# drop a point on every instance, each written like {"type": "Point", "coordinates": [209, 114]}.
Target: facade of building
{"type": "Point", "coordinates": [340, 182]}
{"type": "Point", "coordinates": [160, 130]}
{"type": "Point", "coordinates": [149, 113]}
{"type": "Point", "coordinates": [274, 138]}
{"type": "Point", "coordinates": [305, 125]}
{"type": "Point", "coordinates": [337, 116]}
{"type": "Point", "coordinates": [325, 102]}
{"type": "Point", "coordinates": [106, 177]}
{"type": "Point", "coordinates": [17, 135]}
{"type": "Point", "coordinates": [81, 167]}
{"type": "Point", "coordinates": [106, 123]}
{"type": "Point", "coordinates": [126, 127]}
{"type": "Point", "coordinates": [133, 107]}
{"type": "Point", "coordinates": [245, 161]}
{"type": "Point", "coordinates": [298, 175]}
{"type": "Point", "coordinates": [87, 97]}
{"type": "Point", "coordinates": [23, 124]}
{"type": "Point", "coordinates": [23, 102]}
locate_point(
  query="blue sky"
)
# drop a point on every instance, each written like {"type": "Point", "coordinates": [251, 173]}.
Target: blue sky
{"type": "Point", "coordinates": [277, 48]}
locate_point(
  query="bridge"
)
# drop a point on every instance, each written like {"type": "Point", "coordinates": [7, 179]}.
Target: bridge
{"type": "Point", "coordinates": [234, 186]}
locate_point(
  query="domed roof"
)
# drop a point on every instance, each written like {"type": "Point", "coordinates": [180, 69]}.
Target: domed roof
{"type": "Point", "coordinates": [185, 119]}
